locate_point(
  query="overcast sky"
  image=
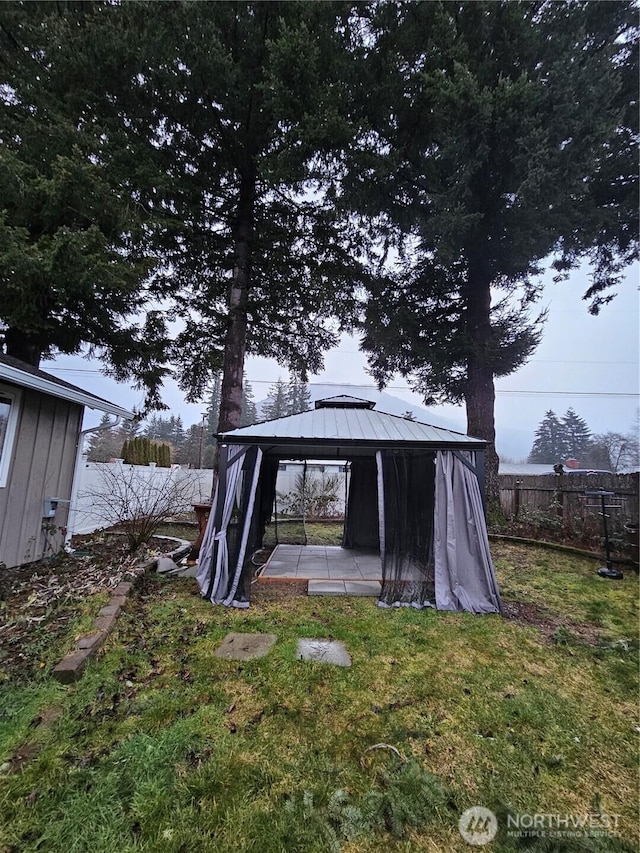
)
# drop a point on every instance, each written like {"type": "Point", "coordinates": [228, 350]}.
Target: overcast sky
{"type": "Point", "coordinates": [584, 362]}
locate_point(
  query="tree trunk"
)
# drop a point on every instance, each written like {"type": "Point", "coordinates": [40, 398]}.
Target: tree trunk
{"type": "Point", "coordinates": [19, 345]}
{"type": "Point", "coordinates": [480, 392]}
{"type": "Point", "coordinates": [235, 342]}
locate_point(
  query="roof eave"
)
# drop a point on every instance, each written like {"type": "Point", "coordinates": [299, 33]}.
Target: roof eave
{"type": "Point", "coordinates": [45, 386]}
{"type": "Point", "coordinates": [278, 441]}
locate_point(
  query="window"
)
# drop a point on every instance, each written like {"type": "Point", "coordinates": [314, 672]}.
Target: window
{"type": "Point", "coordinates": [9, 399]}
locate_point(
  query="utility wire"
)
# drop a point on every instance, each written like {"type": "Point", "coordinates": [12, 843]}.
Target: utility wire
{"type": "Point", "coordinates": [407, 388]}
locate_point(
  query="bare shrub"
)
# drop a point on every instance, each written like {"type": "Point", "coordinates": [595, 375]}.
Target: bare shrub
{"type": "Point", "coordinates": [314, 496]}
{"type": "Point", "coordinates": [139, 501]}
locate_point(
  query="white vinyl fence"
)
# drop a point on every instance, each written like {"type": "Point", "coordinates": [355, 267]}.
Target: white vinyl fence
{"type": "Point", "coordinates": [104, 487]}
{"type": "Point", "coordinates": [112, 491]}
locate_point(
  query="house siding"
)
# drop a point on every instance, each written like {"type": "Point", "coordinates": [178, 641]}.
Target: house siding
{"type": "Point", "coordinates": [42, 464]}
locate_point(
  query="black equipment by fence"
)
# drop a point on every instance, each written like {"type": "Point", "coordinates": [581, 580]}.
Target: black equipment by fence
{"type": "Point", "coordinates": [602, 506]}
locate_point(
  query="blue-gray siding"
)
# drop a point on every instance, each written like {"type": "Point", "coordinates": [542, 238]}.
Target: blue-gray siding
{"type": "Point", "coordinates": [42, 463]}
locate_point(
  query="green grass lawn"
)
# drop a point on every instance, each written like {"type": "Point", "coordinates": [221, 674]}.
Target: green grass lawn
{"type": "Point", "coordinates": [164, 747]}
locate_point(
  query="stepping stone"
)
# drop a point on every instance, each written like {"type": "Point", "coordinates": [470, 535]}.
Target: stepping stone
{"type": "Point", "coordinates": [323, 651]}
{"type": "Point", "coordinates": [245, 646]}
{"type": "Point", "coordinates": [321, 587]}
{"type": "Point", "coordinates": [189, 572]}
{"type": "Point", "coordinates": [370, 588]}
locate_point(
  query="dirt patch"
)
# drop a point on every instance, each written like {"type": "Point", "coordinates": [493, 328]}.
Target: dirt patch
{"type": "Point", "coordinates": [266, 592]}
{"type": "Point", "coordinates": [38, 601]}
{"type": "Point", "coordinates": [554, 628]}
{"type": "Point", "coordinates": [28, 751]}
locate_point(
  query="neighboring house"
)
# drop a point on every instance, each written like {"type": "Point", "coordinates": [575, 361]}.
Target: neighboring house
{"type": "Point", "coordinates": [40, 432]}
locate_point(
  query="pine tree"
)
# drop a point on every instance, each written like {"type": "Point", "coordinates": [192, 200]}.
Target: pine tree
{"type": "Point", "coordinates": [213, 411]}
{"type": "Point", "coordinates": [495, 135]}
{"type": "Point", "coordinates": [153, 427]}
{"type": "Point", "coordinates": [298, 396]}
{"type": "Point", "coordinates": [550, 444]}
{"type": "Point", "coordinates": [277, 404]}
{"type": "Point", "coordinates": [177, 432]}
{"type": "Point", "coordinates": [577, 436]}
{"type": "Point", "coordinates": [190, 451]}
{"type": "Point", "coordinates": [104, 444]}
{"type": "Point", "coordinates": [75, 227]}
{"type": "Point", "coordinates": [249, 411]}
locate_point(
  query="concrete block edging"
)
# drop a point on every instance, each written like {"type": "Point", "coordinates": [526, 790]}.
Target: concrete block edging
{"type": "Point", "coordinates": [73, 664]}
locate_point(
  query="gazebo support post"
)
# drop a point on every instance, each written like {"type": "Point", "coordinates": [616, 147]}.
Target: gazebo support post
{"type": "Point", "coordinates": [218, 509]}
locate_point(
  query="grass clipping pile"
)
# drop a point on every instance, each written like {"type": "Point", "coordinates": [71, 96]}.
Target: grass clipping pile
{"type": "Point", "coordinates": [39, 601]}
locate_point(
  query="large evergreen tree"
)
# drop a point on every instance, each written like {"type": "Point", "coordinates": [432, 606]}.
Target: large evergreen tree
{"type": "Point", "coordinates": [495, 134]}
{"type": "Point", "coordinates": [75, 253]}
{"type": "Point", "coordinates": [298, 396]}
{"type": "Point", "coordinates": [277, 403]}
{"type": "Point", "coordinates": [577, 437]}
{"type": "Point", "coordinates": [249, 410]}
{"type": "Point", "coordinates": [105, 443]}
{"type": "Point", "coordinates": [549, 444]}
{"type": "Point", "coordinates": [243, 107]}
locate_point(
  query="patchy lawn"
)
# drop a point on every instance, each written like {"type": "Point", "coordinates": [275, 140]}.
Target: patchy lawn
{"type": "Point", "coordinates": [164, 747]}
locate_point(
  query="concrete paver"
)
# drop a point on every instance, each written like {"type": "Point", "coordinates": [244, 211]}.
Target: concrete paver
{"type": "Point", "coordinates": [323, 651]}
{"type": "Point", "coordinates": [245, 646]}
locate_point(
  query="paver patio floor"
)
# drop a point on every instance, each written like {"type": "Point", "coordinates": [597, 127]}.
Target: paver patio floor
{"type": "Point", "coordinates": [350, 571]}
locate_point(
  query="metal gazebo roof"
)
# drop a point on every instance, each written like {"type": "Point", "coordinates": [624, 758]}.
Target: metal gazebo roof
{"type": "Point", "coordinates": [345, 426]}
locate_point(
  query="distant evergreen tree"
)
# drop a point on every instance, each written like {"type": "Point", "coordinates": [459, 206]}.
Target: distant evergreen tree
{"type": "Point", "coordinates": [249, 411]}
{"type": "Point", "coordinates": [190, 449]}
{"type": "Point", "coordinates": [130, 428]}
{"type": "Point", "coordinates": [176, 431]}
{"type": "Point", "coordinates": [549, 444]}
{"type": "Point", "coordinates": [213, 411]}
{"type": "Point", "coordinates": [577, 436]}
{"type": "Point", "coordinates": [277, 404]}
{"type": "Point", "coordinates": [105, 444]}
{"type": "Point", "coordinates": [298, 396]}
{"type": "Point", "coordinates": [153, 427]}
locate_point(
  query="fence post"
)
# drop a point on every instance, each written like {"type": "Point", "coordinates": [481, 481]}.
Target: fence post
{"type": "Point", "coordinates": [516, 500]}
{"type": "Point", "coordinates": [559, 498]}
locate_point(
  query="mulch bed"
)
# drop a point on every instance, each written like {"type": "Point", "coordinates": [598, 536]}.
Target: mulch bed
{"type": "Point", "coordinates": [39, 600]}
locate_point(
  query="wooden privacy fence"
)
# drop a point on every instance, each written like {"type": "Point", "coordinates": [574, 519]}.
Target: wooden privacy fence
{"type": "Point", "coordinates": [562, 500]}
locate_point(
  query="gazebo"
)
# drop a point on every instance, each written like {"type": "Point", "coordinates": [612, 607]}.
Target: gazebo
{"type": "Point", "coordinates": [415, 492]}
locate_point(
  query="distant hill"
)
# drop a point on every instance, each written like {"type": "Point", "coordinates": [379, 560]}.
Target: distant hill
{"type": "Point", "coordinates": [512, 443]}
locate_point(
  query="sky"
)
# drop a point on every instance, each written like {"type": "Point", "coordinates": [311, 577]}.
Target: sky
{"type": "Point", "coordinates": [590, 364]}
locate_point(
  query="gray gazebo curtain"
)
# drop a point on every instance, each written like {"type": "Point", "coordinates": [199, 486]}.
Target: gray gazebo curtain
{"type": "Point", "coordinates": [361, 511]}
{"type": "Point", "coordinates": [406, 495]}
{"type": "Point", "coordinates": [221, 574]}
{"type": "Point", "coordinates": [433, 538]}
{"type": "Point", "coordinates": [464, 574]}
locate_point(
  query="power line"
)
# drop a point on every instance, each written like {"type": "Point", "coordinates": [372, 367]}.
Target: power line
{"type": "Point", "coordinates": [525, 393]}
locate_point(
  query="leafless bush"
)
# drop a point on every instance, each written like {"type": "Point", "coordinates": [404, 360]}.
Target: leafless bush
{"type": "Point", "coordinates": [314, 496]}
{"type": "Point", "coordinates": [138, 501]}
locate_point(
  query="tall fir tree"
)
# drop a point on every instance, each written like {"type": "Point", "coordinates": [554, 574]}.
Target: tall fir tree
{"type": "Point", "coordinates": [495, 135]}
{"type": "Point", "coordinates": [277, 403]}
{"type": "Point", "coordinates": [550, 444]}
{"type": "Point", "coordinates": [577, 436]}
{"type": "Point", "coordinates": [75, 253]}
{"type": "Point", "coordinates": [249, 411]}
{"type": "Point", "coordinates": [105, 444]}
{"type": "Point", "coordinates": [298, 396]}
